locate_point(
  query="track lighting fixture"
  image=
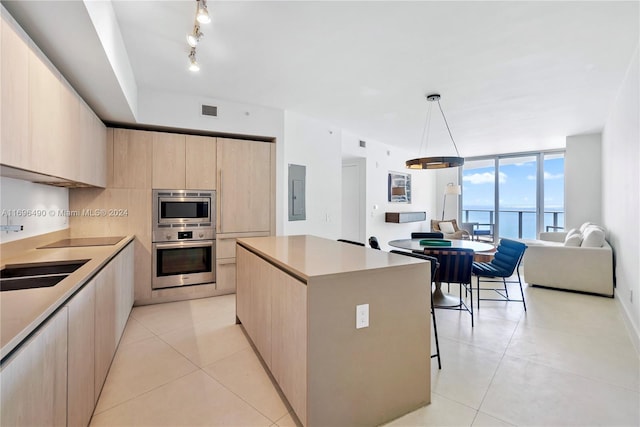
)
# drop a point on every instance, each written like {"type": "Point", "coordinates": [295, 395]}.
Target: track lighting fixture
{"type": "Point", "coordinates": [195, 36]}
{"type": "Point", "coordinates": [202, 15]}
{"type": "Point", "coordinates": [192, 59]}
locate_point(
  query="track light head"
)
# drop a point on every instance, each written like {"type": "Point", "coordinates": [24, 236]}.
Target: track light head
{"type": "Point", "coordinates": [195, 36]}
{"type": "Point", "coordinates": [193, 66]}
{"type": "Point", "coordinates": [202, 16]}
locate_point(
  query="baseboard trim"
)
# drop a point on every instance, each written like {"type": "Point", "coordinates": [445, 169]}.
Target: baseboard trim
{"type": "Point", "coordinates": [632, 329]}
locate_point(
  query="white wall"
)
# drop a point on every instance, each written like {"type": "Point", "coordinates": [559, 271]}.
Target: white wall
{"type": "Point", "coordinates": [316, 145]}
{"type": "Point", "coordinates": [42, 201]}
{"type": "Point", "coordinates": [380, 160]}
{"type": "Point", "coordinates": [583, 180]}
{"type": "Point", "coordinates": [621, 192]}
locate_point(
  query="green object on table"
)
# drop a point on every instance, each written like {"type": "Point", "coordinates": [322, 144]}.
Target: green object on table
{"type": "Point", "coordinates": [435, 242]}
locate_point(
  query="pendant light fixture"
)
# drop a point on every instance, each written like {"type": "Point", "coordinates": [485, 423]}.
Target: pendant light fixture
{"type": "Point", "coordinates": [435, 162]}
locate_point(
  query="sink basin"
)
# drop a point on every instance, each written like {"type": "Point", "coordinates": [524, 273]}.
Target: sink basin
{"type": "Point", "coordinates": [41, 268]}
{"type": "Point", "coordinates": [37, 275]}
{"type": "Point", "coordinates": [31, 282]}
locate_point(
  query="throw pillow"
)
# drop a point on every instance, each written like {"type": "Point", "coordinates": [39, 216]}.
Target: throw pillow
{"type": "Point", "coordinates": [447, 227]}
{"type": "Point", "coordinates": [584, 226]}
{"type": "Point", "coordinates": [593, 237]}
{"type": "Point", "coordinates": [574, 240]}
{"type": "Point", "coordinates": [572, 232]}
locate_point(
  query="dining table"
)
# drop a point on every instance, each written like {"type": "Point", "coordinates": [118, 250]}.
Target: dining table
{"type": "Point", "coordinates": [483, 252]}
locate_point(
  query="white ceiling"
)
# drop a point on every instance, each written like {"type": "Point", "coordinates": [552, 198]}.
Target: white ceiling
{"type": "Point", "coordinates": [514, 76]}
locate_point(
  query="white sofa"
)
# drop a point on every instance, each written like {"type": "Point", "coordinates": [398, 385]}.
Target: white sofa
{"type": "Point", "coordinates": [548, 262]}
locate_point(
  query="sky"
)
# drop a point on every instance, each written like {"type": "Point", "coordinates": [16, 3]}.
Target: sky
{"type": "Point", "coordinates": [517, 185]}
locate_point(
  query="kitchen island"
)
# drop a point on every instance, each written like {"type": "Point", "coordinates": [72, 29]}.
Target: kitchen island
{"type": "Point", "coordinates": [297, 299]}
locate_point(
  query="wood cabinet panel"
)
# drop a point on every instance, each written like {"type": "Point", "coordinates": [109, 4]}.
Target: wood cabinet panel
{"type": "Point", "coordinates": [45, 117]}
{"type": "Point", "coordinates": [168, 160]}
{"type": "Point", "coordinates": [244, 186]}
{"type": "Point", "coordinates": [37, 374]}
{"type": "Point", "coordinates": [226, 275]}
{"type": "Point", "coordinates": [81, 397]}
{"type": "Point", "coordinates": [132, 158]}
{"type": "Point", "coordinates": [91, 146]}
{"type": "Point", "coordinates": [200, 162]}
{"type": "Point", "coordinates": [105, 325]}
{"type": "Point", "coordinates": [254, 283]}
{"type": "Point", "coordinates": [289, 338]}
{"type": "Point", "coordinates": [14, 82]}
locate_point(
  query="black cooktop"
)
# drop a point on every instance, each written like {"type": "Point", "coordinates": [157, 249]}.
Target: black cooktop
{"type": "Point", "coordinates": [83, 241]}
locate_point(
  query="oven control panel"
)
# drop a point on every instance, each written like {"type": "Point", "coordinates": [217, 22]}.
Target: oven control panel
{"type": "Point", "coordinates": [177, 235]}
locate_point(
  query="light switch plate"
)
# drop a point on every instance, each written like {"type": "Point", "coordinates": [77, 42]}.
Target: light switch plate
{"type": "Point", "coordinates": [362, 316]}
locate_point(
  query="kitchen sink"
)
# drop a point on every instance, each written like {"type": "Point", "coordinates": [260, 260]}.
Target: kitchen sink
{"type": "Point", "coordinates": [41, 268]}
{"type": "Point", "coordinates": [37, 275]}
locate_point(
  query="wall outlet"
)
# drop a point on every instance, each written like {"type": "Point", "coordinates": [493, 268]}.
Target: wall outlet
{"type": "Point", "coordinates": [362, 316]}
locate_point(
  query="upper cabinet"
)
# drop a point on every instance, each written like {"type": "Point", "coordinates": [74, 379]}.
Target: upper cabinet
{"type": "Point", "coordinates": [245, 186]}
{"type": "Point", "coordinates": [200, 162]}
{"type": "Point", "coordinates": [46, 127]}
{"type": "Point", "coordinates": [184, 161]}
{"type": "Point", "coordinates": [132, 159]}
{"type": "Point", "coordinates": [14, 84]}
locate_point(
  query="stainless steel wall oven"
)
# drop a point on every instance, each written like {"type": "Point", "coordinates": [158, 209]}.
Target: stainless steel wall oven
{"type": "Point", "coordinates": [183, 237]}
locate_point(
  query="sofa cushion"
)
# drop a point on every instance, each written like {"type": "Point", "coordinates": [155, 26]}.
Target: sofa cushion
{"type": "Point", "coordinates": [584, 226]}
{"type": "Point", "coordinates": [447, 227]}
{"type": "Point", "coordinates": [593, 237]}
{"type": "Point", "coordinates": [574, 240]}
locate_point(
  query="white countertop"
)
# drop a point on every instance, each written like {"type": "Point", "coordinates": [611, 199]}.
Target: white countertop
{"type": "Point", "coordinates": [22, 311]}
{"type": "Point", "coordinates": [308, 256]}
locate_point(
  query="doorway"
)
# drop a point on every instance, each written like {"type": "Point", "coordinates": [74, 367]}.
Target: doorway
{"type": "Point", "coordinates": [353, 200]}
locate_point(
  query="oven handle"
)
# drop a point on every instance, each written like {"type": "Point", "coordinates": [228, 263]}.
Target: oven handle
{"type": "Point", "coordinates": [191, 244]}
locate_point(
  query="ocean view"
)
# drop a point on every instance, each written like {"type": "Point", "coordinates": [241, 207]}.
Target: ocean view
{"type": "Point", "coordinates": [509, 219]}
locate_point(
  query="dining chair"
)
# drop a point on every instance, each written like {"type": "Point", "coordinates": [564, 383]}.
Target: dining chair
{"type": "Point", "coordinates": [505, 262]}
{"type": "Point", "coordinates": [434, 269]}
{"type": "Point", "coordinates": [427, 235]}
{"type": "Point", "coordinates": [351, 242]}
{"type": "Point", "coordinates": [373, 242]}
{"type": "Point", "coordinates": [455, 267]}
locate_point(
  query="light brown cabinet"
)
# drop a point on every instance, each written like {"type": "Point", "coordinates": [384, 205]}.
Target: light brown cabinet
{"type": "Point", "coordinates": [43, 118]}
{"type": "Point", "coordinates": [132, 159]}
{"type": "Point", "coordinates": [245, 186]}
{"type": "Point", "coordinates": [81, 394]}
{"type": "Point", "coordinates": [114, 299]}
{"type": "Point", "coordinates": [168, 160]}
{"type": "Point", "coordinates": [37, 373]}
{"type": "Point", "coordinates": [14, 83]}
{"type": "Point", "coordinates": [184, 161]}
{"type": "Point", "coordinates": [200, 162]}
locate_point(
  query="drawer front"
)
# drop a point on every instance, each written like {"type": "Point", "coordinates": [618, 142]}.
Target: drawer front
{"type": "Point", "coordinates": [225, 248]}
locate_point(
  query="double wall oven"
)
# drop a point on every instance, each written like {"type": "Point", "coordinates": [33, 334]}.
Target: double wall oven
{"type": "Point", "coordinates": [184, 245]}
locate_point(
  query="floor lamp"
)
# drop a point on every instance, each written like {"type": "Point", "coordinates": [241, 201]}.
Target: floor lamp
{"type": "Point", "coordinates": [450, 190]}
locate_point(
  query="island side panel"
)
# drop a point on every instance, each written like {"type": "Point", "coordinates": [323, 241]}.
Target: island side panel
{"type": "Point", "coordinates": [372, 375]}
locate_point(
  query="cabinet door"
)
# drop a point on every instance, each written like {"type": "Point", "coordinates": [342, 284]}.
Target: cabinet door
{"type": "Point", "coordinates": [244, 186]}
{"type": "Point", "coordinates": [226, 275]}
{"type": "Point", "coordinates": [105, 324]}
{"type": "Point", "coordinates": [132, 158]}
{"type": "Point", "coordinates": [92, 147]}
{"type": "Point", "coordinates": [200, 162]}
{"type": "Point", "coordinates": [81, 397]}
{"type": "Point", "coordinates": [34, 379]}
{"type": "Point", "coordinates": [168, 160]}
{"type": "Point", "coordinates": [14, 82]}
{"type": "Point", "coordinates": [123, 265]}
{"type": "Point", "coordinates": [46, 117]}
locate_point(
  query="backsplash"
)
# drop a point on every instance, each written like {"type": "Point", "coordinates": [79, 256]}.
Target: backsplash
{"type": "Point", "coordinates": [37, 208]}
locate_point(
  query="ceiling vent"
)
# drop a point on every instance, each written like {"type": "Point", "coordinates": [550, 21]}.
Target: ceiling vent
{"type": "Point", "coordinates": [363, 144]}
{"type": "Point", "coordinates": [209, 110]}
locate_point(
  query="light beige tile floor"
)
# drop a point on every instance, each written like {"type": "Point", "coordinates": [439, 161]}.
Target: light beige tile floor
{"type": "Point", "coordinates": [567, 361]}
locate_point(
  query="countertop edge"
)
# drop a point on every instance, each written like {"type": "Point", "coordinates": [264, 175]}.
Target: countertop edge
{"type": "Point", "coordinates": [33, 326]}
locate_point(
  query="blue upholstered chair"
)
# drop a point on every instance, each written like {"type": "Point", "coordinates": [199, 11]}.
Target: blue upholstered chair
{"type": "Point", "coordinates": [503, 265]}
{"type": "Point", "coordinates": [455, 267]}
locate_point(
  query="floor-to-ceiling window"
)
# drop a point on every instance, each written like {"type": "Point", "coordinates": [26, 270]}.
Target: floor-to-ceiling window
{"type": "Point", "coordinates": [513, 196]}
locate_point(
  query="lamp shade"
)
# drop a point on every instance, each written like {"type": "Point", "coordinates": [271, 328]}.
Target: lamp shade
{"type": "Point", "coordinates": [452, 190]}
